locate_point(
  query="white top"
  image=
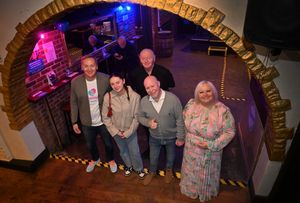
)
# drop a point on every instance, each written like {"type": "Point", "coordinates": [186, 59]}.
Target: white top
{"type": "Point", "coordinates": [92, 93]}
{"type": "Point", "coordinates": [157, 105]}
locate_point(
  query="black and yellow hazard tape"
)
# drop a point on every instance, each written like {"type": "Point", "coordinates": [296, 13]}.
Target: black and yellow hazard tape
{"type": "Point", "coordinates": [233, 183]}
{"type": "Point", "coordinates": [222, 88]}
{"type": "Point", "coordinates": [122, 167]}
{"type": "Point", "coordinates": [104, 164]}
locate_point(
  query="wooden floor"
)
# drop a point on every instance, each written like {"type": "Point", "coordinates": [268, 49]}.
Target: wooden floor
{"type": "Point", "coordinates": [63, 181]}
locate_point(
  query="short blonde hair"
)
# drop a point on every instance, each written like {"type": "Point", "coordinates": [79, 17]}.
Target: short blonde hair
{"type": "Point", "coordinates": [213, 89]}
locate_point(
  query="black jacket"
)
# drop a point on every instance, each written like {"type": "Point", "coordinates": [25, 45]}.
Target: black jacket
{"type": "Point", "coordinates": [137, 77]}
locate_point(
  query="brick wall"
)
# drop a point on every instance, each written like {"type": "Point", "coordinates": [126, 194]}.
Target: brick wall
{"type": "Point", "coordinates": [53, 131]}
{"type": "Point", "coordinates": [126, 21]}
{"type": "Point", "coordinates": [38, 80]}
{"type": "Point", "coordinates": [47, 112]}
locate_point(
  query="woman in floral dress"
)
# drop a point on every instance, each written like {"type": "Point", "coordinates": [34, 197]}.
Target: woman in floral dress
{"type": "Point", "coordinates": [210, 127]}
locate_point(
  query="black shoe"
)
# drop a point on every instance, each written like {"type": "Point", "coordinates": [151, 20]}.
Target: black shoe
{"type": "Point", "coordinates": [128, 171]}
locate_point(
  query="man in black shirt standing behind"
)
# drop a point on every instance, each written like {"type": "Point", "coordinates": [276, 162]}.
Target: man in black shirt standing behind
{"type": "Point", "coordinates": [137, 76]}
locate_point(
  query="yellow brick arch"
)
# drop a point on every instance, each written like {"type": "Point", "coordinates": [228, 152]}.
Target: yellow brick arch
{"type": "Point", "coordinates": [19, 50]}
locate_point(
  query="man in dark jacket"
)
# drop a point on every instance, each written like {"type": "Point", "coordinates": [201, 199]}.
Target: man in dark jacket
{"type": "Point", "coordinates": [137, 77]}
{"type": "Point", "coordinates": [126, 57]}
{"type": "Point", "coordinates": [93, 44]}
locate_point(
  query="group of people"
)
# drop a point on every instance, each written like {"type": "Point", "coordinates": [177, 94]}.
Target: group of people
{"type": "Point", "coordinates": [113, 108]}
{"type": "Point", "coordinates": [124, 54]}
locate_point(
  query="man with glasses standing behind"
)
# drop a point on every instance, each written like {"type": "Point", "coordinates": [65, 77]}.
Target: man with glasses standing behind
{"type": "Point", "coordinates": [87, 92]}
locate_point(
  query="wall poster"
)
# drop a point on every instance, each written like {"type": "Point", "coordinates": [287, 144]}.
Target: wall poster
{"type": "Point", "coordinates": [49, 51]}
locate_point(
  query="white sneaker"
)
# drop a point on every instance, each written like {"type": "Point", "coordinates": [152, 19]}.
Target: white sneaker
{"type": "Point", "coordinates": [92, 165]}
{"type": "Point", "coordinates": [113, 166]}
{"type": "Point", "coordinates": [141, 174]}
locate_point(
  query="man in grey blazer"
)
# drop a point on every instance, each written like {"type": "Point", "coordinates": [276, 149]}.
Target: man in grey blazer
{"type": "Point", "coordinates": [161, 112]}
{"type": "Point", "coordinates": [87, 92]}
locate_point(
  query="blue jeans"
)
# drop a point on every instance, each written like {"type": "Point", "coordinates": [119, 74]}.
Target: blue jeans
{"type": "Point", "coordinates": [90, 134]}
{"type": "Point", "coordinates": [155, 146]}
{"type": "Point", "coordinates": [130, 151]}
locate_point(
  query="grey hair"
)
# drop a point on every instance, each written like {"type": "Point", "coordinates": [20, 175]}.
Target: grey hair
{"type": "Point", "coordinates": [150, 51]}
{"type": "Point", "coordinates": [213, 88]}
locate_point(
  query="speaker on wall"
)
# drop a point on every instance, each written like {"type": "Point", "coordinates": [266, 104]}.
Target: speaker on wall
{"type": "Point", "coordinates": [273, 23]}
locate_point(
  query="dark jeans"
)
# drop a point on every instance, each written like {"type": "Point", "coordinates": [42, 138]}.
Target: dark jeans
{"type": "Point", "coordinates": [147, 133]}
{"type": "Point", "coordinates": [155, 146]}
{"type": "Point", "coordinates": [90, 134]}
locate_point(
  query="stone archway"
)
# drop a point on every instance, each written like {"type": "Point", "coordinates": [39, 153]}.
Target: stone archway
{"type": "Point", "coordinates": [19, 50]}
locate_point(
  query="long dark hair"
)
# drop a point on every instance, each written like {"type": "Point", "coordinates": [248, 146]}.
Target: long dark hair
{"type": "Point", "coordinates": [119, 75]}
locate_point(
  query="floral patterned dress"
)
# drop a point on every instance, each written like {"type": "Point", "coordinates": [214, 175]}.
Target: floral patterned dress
{"type": "Point", "coordinates": [200, 172]}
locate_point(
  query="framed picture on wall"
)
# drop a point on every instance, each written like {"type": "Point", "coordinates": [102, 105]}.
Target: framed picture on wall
{"type": "Point", "coordinates": [51, 77]}
{"type": "Point", "coordinates": [35, 66]}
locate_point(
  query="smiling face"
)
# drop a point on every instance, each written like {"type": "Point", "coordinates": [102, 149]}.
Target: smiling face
{"type": "Point", "coordinates": [147, 59]}
{"type": "Point", "coordinates": [89, 67]}
{"type": "Point", "coordinates": [152, 87]}
{"type": "Point", "coordinates": [206, 95]}
{"type": "Point", "coordinates": [117, 84]}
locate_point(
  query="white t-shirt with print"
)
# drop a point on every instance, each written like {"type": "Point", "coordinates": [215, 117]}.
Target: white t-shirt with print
{"type": "Point", "coordinates": [92, 92]}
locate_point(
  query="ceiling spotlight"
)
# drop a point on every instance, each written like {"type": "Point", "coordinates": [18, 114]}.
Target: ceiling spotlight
{"type": "Point", "coordinates": [128, 8]}
{"type": "Point", "coordinates": [120, 8]}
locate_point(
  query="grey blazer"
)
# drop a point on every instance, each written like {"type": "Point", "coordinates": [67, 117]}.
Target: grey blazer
{"type": "Point", "coordinates": [79, 99]}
